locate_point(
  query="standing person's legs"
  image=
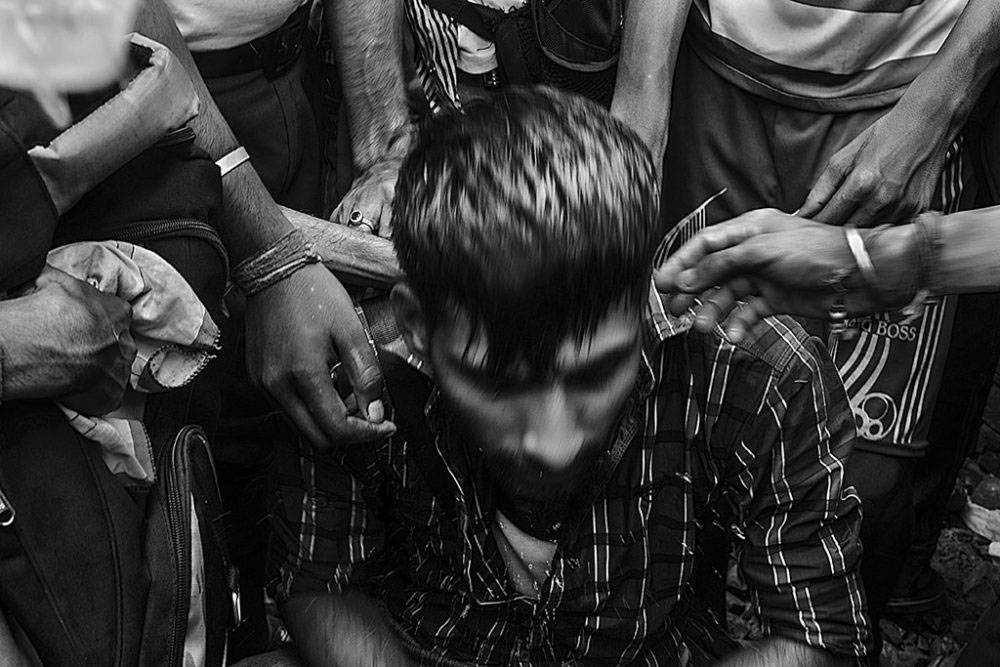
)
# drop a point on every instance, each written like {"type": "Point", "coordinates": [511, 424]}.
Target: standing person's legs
{"type": "Point", "coordinates": [275, 122]}
{"type": "Point", "coordinates": [769, 155]}
{"type": "Point", "coordinates": [718, 139]}
{"type": "Point", "coordinates": [968, 377]}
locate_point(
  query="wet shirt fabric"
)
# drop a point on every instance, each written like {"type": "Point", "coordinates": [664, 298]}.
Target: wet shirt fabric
{"type": "Point", "coordinates": [753, 436]}
{"type": "Point", "coordinates": [822, 55]}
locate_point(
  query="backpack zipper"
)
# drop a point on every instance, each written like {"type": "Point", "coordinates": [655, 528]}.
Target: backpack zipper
{"type": "Point", "coordinates": [7, 512]}
{"type": "Point", "coordinates": [142, 232]}
{"type": "Point", "coordinates": [178, 504]}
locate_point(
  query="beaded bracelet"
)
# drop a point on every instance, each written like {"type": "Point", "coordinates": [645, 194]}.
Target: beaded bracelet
{"type": "Point", "coordinates": [928, 241]}
{"type": "Point", "coordinates": [287, 255]}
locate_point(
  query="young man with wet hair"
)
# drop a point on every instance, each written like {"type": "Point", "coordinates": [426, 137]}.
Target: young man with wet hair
{"type": "Point", "coordinates": [542, 498]}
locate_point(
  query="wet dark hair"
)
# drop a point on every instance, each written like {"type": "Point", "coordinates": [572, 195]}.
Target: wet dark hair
{"type": "Point", "coordinates": [535, 213]}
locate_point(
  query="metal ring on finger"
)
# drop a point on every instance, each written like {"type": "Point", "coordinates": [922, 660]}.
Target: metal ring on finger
{"type": "Point", "coordinates": [837, 315]}
{"type": "Point", "coordinates": [335, 372]}
{"type": "Point", "coordinates": [359, 219]}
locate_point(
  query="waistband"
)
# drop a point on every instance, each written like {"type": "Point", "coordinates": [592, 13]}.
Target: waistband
{"type": "Point", "coordinates": [274, 53]}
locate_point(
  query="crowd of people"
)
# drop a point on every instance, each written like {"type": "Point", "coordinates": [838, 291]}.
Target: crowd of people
{"type": "Point", "coordinates": [490, 332]}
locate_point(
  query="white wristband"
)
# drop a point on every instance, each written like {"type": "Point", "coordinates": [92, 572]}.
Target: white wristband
{"type": "Point", "coordinates": [231, 160]}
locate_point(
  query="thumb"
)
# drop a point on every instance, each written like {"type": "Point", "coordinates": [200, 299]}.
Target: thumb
{"type": "Point", "coordinates": [361, 365]}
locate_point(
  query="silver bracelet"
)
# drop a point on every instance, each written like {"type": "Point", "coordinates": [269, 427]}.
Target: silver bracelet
{"type": "Point", "coordinates": [861, 256]}
{"type": "Point", "coordinates": [232, 159]}
{"type": "Point", "coordinates": [287, 255]}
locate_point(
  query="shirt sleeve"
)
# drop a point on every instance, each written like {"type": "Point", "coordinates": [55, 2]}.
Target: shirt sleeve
{"type": "Point", "coordinates": [801, 550]}
{"type": "Point", "coordinates": [328, 534]}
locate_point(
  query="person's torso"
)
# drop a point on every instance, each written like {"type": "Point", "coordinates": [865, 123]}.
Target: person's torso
{"type": "Point", "coordinates": [475, 54]}
{"type": "Point", "coordinates": [619, 581]}
{"type": "Point", "coordinates": [830, 55]}
{"type": "Point", "coordinates": [209, 25]}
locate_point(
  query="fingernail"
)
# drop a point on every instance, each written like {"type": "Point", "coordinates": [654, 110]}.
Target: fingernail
{"type": "Point", "coordinates": [376, 412]}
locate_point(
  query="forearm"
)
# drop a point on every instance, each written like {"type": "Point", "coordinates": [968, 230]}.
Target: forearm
{"type": "Point", "coordinates": [251, 220]}
{"type": "Point", "coordinates": [342, 630]}
{"type": "Point", "coordinates": [776, 652]}
{"type": "Point", "coordinates": [367, 36]}
{"type": "Point", "coordinates": [967, 257]}
{"type": "Point", "coordinates": [355, 256]}
{"type": "Point", "coordinates": [947, 90]}
{"type": "Point", "coordinates": [15, 332]}
{"type": "Point", "coordinates": [650, 43]}
{"type": "Point", "coordinates": [969, 254]}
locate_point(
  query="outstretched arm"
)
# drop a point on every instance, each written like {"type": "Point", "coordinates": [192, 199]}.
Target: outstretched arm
{"type": "Point", "coordinates": [650, 43]}
{"type": "Point", "coordinates": [790, 266]}
{"type": "Point", "coordinates": [367, 36]}
{"type": "Point", "coordinates": [296, 329]}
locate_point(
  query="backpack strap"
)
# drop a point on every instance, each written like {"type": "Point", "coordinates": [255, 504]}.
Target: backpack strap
{"type": "Point", "coordinates": [494, 26]}
{"type": "Point", "coordinates": [477, 18]}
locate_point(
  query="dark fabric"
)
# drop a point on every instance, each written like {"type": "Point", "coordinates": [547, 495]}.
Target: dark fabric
{"type": "Point", "coordinates": [984, 645]}
{"type": "Point", "coordinates": [72, 571]}
{"type": "Point", "coordinates": [763, 153]}
{"type": "Point", "coordinates": [110, 568]}
{"type": "Point", "coordinates": [885, 484]}
{"type": "Point", "coordinates": [25, 197]}
{"type": "Point", "coordinates": [186, 484]}
{"type": "Point", "coordinates": [244, 450]}
{"type": "Point", "coordinates": [768, 155]}
{"type": "Point", "coordinates": [93, 573]}
{"type": "Point", "coordinates": [969, 369]}
{"type": "Point", "coordinates": [570, 46]}
{"type": "Point", "coordinates": [707, 423]}
{"type": "Point", "coordinates": [276, 123]}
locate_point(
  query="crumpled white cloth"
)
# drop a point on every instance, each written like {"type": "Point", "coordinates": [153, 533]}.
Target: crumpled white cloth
{"type": "Point", "coordinates": [174, 335]}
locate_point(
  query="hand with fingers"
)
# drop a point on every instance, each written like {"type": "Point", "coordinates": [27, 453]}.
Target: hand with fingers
{"type": "Point", "coordinates": [297, 330]}
{"type": "Point", "coordinates": [762, 263]}
{"type": "Point", "coordinates": [65, 340]}
{"type": "Point", "coordinates": [368, 205]}
{"type": "Point", "coordinates": [887, 174]}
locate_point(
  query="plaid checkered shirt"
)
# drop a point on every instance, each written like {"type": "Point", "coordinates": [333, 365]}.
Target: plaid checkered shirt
{"type": "Point", "coordinates": [751, 436]}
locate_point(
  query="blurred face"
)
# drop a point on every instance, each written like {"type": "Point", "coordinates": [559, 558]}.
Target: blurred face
{"type": "Point", "coordinates": [540, 436]}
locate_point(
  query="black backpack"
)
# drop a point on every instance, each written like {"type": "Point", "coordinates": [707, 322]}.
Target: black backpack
{"type": "Point", "coordinates": [572, 45]}
{"type": "Point", "coordinates": [94, 572]}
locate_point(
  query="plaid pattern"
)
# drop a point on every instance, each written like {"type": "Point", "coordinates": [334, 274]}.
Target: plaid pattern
{"type": "Point", "coordinates": [435, 36]}
{"type": "Point", "coordinates": [753, 435]}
